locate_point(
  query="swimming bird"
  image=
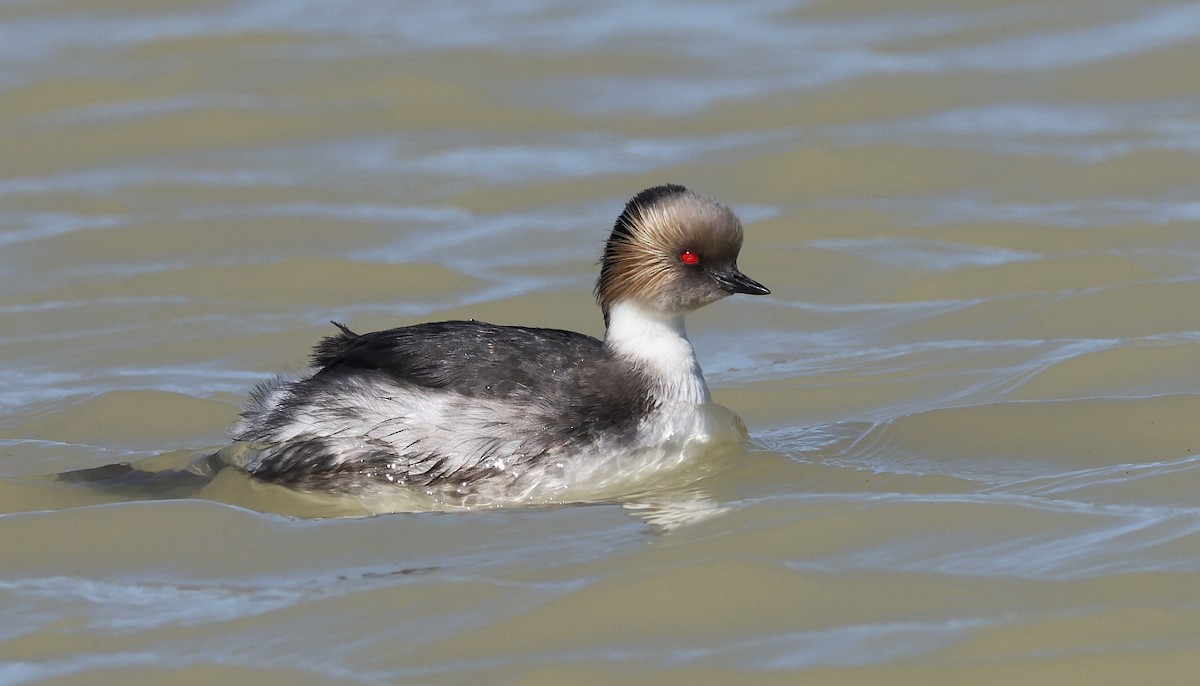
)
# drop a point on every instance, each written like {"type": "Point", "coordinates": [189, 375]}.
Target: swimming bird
{"type": "Point", "coordinates": [466, 407]}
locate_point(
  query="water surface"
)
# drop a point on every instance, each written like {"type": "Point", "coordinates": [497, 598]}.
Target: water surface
{"type": "Point", "coordinates": [972, 397]}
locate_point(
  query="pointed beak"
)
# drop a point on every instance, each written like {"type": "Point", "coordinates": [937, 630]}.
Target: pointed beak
{"type": "Point", "coordinates": [734, 281]}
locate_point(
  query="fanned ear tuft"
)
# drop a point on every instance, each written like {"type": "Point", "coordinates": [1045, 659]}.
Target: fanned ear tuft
{"type": "Point", "coordinates": [646, 247]}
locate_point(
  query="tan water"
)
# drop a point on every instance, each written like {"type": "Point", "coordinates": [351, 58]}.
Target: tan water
{"type": "Point", "coordinates": [973, 398]}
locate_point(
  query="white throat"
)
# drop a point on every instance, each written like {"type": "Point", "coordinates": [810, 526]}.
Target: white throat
{"type": "Point", "coordinates": [658, 345]}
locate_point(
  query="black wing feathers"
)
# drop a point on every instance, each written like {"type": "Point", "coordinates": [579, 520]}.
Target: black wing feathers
{"type": "Point", "coordinates": [472, 358]}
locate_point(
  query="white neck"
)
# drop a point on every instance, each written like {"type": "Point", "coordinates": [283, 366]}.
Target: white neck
{"type": "Point", "coordinates": [658, 345]}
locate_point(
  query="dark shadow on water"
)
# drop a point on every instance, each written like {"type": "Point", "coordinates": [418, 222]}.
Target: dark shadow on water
{"type": "Point", "coordinates": [128, 480]}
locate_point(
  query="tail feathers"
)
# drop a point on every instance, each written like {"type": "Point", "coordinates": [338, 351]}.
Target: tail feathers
{"type": "Point", "coordinates": [331, 348]}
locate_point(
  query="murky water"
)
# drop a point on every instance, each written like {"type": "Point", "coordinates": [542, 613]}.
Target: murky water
{"type": "Point", "coordinates": [973, 397]}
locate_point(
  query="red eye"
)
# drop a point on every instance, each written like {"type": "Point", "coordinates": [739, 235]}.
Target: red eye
{"type": "Point", "coordinates": [689, 257]}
